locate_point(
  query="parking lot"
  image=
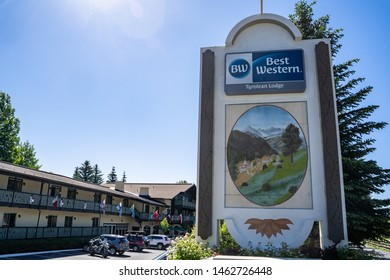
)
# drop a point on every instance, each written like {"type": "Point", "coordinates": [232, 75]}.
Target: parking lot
{"type": "Point", "coordinates": [79, 254]}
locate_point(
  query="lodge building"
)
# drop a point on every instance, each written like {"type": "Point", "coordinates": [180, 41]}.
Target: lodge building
{"type": "Point", "coordinates": [39, 204]}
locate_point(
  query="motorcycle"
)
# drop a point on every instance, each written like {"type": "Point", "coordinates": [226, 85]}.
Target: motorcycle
{"type": "Point", "coordinates": [98, 246]}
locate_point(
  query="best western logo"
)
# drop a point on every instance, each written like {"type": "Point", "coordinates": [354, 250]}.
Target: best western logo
{"type": "Point", "coordinates": [239, 68]}
{"type": "Point", "coordinates": [267, 71]}
{"type": "Point", "coordinates": [277, 66]}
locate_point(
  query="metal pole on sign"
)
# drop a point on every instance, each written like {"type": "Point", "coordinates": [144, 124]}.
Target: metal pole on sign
{"type": "Point", "coordinates": [261, 6]}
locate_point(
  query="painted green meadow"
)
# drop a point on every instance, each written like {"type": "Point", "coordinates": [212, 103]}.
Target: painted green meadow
{"type": "Point", "coordinates": [278, 182]}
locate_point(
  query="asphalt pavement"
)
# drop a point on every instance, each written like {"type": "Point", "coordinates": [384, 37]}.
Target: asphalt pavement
{"type": "Point", "coordinates": [79, 254]}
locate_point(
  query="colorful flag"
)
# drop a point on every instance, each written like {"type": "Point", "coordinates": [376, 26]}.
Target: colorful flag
{"type": "Point", "coordinates": [119, 208]}
{"type": "Point", "coordinates": [180, 218]}
{"type": "Point", "coordinates": [155, 216]}
{"type": "Point", "coordinates": [54, 202]}
{"type": "Point", "coordinates": [61, 203]}
{"type": "Point", "coordinates": [167, 213]}
{"type": "Point", "coordinates": [85, 205]}
{"type": "Point", "coordinates": [31, 199]}
{"type": "Point", "coordinates": [103, 206]}
{"type": "Point", "coordinates": [132, 211]}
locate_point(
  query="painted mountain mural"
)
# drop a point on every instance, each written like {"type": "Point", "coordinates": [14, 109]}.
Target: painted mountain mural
{"type": "Point", "coordinates": [267, 155]}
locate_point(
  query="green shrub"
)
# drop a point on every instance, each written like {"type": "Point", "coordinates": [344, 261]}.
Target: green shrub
{"type": "Point", "coordinates": [349, 253]}
{"type": "Point", "coordinates": [227, 245]}
{"type": "Point", "coordinates": [311, 249]}
{"type": "Point", "coordinates": [188, 248]}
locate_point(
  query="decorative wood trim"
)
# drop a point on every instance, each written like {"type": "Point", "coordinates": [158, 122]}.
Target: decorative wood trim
{"type": "Point", "coordinates": [206, 138]}
{"type": "Point", "coordinates": [330, 144]}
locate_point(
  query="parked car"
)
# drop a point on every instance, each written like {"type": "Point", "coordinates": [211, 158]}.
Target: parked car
{"type": "Point", "coordinates": [136, 232]}
{"type": "Point", "coordinates": [146, 241]}
{"type": "Point", "coordinates": [158, 240]}
{"type": "Point", "coordinates": [136, 242]}
{"type": "Point", "coordinates": [116, 243]}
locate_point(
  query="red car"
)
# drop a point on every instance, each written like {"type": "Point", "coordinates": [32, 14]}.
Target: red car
{"type": "Point", "coordinates": [136, 242]}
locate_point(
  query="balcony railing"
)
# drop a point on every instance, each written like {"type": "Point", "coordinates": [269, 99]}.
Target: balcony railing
{"type": "Point", "coordinates": [49, 232]}
{"type": "Point", "coordinates": [172, 218]}
{"type": "Point", "coordinates": [22, 199]}
{"type": "Point", "coordinates": [185, 203]}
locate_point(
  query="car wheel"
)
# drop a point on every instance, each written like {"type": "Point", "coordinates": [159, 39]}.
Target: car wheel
{"type": "Point", "coordinates": [85, 248]}
{"type": "Point", "coordinates": [160, 246]}
{"type": "Point", "coordinates": [135, 248]}
{"type": "Point", "coordinates": [112, 250]}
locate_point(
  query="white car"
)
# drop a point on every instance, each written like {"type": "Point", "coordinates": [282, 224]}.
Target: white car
{"type": "Point", "coordinates": [158, 240]}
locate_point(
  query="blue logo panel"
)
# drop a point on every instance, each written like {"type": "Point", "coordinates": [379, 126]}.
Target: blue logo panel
{"type": "Point", "coordinates": [270, 72]}
{"type": "Point", "coordinates": [239, 68]}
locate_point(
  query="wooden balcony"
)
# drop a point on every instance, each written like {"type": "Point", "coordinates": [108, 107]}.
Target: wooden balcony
{"type": "Point", "coordinates": [49, 232]}
{"type": "Point", "coordinates": [22, 200]}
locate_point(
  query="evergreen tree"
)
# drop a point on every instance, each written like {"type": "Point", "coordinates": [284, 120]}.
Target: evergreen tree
{"type": "Point", "coordinates": [11, 149]}
{"type": "Point", "coordinates": [112, 177]}
{"type": "Point", "coordinates": [182, 182]}
{"type": "Point", "coordinates": [97, 176]}
{"type": "Point", "coordinates": [88, 173]}
{"type": "Point", "coordinates": [367, 217]}
{"type": "Point", "coordinates": [84, 172]}
{"type": "Point", "coordinates": [76, 174]}
{"type": "Point", "coordinates": [124, 177]}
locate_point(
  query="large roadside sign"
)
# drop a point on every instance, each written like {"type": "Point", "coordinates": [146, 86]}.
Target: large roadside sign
{"type": "Point", "coordinates": [269, 162]}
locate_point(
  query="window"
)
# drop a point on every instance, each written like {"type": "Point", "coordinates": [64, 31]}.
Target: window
{"type": "Point", "coordinates": [9, 220]}
{"type": "Point", "coordinates": [125, 203]}
{"type": "Point", "coordinates": [71, 194]}
{"type": "Point", "coordinates": [97, 197]}
{"type": "Point", "coordinates": [95, 222]}
{"type": "Point", "coordinates": [51, 221]}
{"type": "Point", "coordinates": [14, 184]}
{"type": "Point", "coordinates": [147, 208]}
{"type": "Point", "coordinates": [68, 221]}
{"type": "Point", "coordinates": [54, 190]}
{"type": "Point", "coordinates": [109, 199]}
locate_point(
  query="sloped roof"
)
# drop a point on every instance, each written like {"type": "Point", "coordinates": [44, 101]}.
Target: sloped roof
{"type": "Point", "coordinates": [156, 190]}
{"type": "Point", "coordinates": [28, 173]}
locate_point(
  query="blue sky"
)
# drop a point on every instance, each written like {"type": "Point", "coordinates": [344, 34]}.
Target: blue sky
{"type": "Point", "coordinates": [117, 82]}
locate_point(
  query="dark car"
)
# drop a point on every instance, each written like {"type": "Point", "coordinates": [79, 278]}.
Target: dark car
{"type": "Point", "coordinates": [136, 242]}
{"type": "Point", "coordinates": [117, 243]}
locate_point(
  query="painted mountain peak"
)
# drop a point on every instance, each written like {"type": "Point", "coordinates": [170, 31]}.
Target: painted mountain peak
{"type": "Point", "coordinates": [264, 133]}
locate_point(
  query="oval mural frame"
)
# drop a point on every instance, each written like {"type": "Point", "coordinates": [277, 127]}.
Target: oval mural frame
{"type": "Point", "coordinates": [267, 155]}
